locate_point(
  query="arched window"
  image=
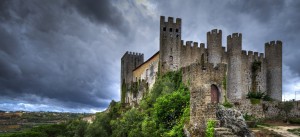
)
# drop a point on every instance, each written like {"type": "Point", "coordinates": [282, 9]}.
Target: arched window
{"type": "Point", "coordinates": [171, 60]}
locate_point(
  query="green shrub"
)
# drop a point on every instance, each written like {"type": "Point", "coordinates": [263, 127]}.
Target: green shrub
{"type": "Point", "coordinates": [294, 120]}
{"type": "Point", "coordinates": [248, 117]}
{"type": "Point", "coordinates": [254, 101]}
{"type": "Point", "coordinates": [295, 131]}
{"type": "Point", "coordinates": [256, 95]}
{"type": "Point", "coordinates": [267, 98]}
{"type": "Point", "coordinates": [227, 104]}
{"type": "Point", "coordinates": [169, 108]}
{"type": "Point", "coordinates": [209, 132]}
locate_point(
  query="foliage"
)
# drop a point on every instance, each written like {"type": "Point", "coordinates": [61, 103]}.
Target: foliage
{"type": "Point", "coordinates": [170, 107]}
{"type": "Point", "coordinates": [227, 104]}
{"type": "Point", "coordinates": [210, 128]}
{"type": "Point", "coordinates": [294, 120]}
{"type": "Point", "coordinates": [254, 101]}
{"type": "Point", "coordinates": [224, 82]}
{"type": "Point", "coordinates": [295, 131]}
{"type": "Point", "coordinates": [129, 125]}
{"type": "Point", "coordinates": [123, 92]}
{"type": "Point", "coordinates": [256, 65]}
{"type": "Point", "coordinates": [286, 107]}
{"type": "Point", "coordinates": [267, 98]}
{"type": "Point", "coordinates": [248, 117]}
{"type": "Point", "coordinates": [162, 112]}
{"type": "Point", "coordinates": [256, 95]}
{"type": "Point", "coordinates": [134, 88]}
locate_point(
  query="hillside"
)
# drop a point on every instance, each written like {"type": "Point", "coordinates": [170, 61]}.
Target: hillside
{"type": "Point", "coordinates": [163, 112]}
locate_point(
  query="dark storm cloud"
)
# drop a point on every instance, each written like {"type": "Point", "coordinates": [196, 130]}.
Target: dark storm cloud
{"type": "Point", "coordinates": [50, 54]}
{"type": "Point", "coordinates": [102, 11]}
{"type": "Point", "coordinates": [262, 10]}
{"type": "Point", "coordinates": [65, 54]}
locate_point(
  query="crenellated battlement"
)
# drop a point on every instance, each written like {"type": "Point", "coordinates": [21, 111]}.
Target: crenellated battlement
{"type": "Point", "coordinates": [202, 46]}
{"type": "Point", "coordinates": [195, 45]}
{"type": "Point", "coordinates": [234, 36]}
{"type": "Point", "coordinates": [261, 55]}
{"type": "Point", "coordinates": [170, 20]}
{"type": "Point", "coordinates": [244, 52]}
{"type": "Point", "coordinates": [250, 53]}
{"type": "Point", "coordinates": [273, 43]}
{"type": "Point", "coordinates": [215, 32]}
{"type": "Point", "coordinates": [130, 53]}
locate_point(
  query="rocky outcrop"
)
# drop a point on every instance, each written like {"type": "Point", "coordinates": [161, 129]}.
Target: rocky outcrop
{"type": "Point", "coordinates": [233, 119]}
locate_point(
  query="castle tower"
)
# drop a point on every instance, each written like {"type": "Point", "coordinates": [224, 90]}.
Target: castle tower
{"type": "Point", "coordinates": [214, 46]}
{"type": "Point", "coordinates": [169, 44]}
{"type": "Point", "coordinates": [234, 76]}
{"type": "Point", "coordinates": [273, 51]}
{"type": "Point", "coordinates": [129, 62]}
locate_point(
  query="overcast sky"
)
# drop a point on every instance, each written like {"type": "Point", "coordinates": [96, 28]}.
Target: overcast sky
{"type": "Point", "coordinates": [64, 55]}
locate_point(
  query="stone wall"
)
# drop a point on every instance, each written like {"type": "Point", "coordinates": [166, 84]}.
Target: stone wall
{"type": "Point", "coordinates": [199, 78]}
{"type": "Point", "coordinates": [265, 109]}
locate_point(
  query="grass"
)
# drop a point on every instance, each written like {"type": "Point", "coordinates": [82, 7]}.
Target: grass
{"type": "Point", "coordinates": [295, 131]}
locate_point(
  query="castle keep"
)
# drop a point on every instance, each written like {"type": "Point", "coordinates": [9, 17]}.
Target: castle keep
{"type": "Point", "coordinates": [208, 66]}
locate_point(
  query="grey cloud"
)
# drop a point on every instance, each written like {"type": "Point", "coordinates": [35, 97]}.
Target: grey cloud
{"type": "Point", "coordinates": [66, 53]}
{"type": "Point", "coordinates": [102, 11]}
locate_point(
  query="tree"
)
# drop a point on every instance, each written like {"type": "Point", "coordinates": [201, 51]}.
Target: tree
{"type": "Point", "coordinates": [286, 107]}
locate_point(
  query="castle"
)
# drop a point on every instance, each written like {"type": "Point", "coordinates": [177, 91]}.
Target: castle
{"type": "Point", "coordinates": [205, 66]}
{"type": "Point", "coordinates": [213, 74]}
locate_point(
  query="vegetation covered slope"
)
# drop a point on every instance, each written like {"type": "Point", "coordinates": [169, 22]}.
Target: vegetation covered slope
{"type": "Point", "coordinates": [163, 112]}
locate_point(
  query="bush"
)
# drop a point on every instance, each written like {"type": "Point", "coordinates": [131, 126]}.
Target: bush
{"type": "Point", "coordinates": [170, 107]}
{"type": "Point", "coordinates": [295, 131]}
{"type": "Point", "coordinates": [254, 101]}
{"type": "Point", "coordinates": [210, 127]}
{"type": "Point", "coordinates": [227, 104]}
{"type": "Point", "coordinates": [294, 121]}
{"type": "Point", "coordinates": [255, 95]}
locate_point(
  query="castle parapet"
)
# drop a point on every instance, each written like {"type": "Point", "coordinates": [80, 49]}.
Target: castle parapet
{"type": "Point", "coordinates": [244, 52]}
{"type": "Point", "coordinates": [250, 53]}
{"type": "Point", "coordinates": [195, 45]}
{"type": "Point", "coordinates": [170, 20]}
{"type": "Point", "coordinates": [202, 45]}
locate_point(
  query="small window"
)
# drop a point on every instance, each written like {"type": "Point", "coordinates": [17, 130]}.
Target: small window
{"type": "Point", "coordinates": [177, 36]}
{"type": "Point", "coordinates": [164, 29]}
{"type": "Point", "coordinates": [171, 30]}
{"type": "Point", "coordinates": [176, 30]}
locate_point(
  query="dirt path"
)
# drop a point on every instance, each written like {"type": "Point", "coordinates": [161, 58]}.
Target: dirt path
{"type": "Point", "coordinates": [282, 130]}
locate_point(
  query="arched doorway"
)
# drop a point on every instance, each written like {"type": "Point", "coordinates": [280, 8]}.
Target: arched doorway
{"type": "Point", "coordinates": [215, 94]}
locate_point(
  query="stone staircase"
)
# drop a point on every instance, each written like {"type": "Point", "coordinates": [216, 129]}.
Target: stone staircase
{"type": "Point", "coordinates": [223, 132]}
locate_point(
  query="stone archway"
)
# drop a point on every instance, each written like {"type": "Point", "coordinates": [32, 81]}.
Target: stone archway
{"type": "Point", "coordinates": [215, 93]}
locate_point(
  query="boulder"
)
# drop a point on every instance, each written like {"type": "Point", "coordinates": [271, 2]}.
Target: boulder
{"type": "Point", "coordinates": [234, 120]}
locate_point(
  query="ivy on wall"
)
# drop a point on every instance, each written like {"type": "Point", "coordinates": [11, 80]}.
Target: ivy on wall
{"type": "Point", "coordinates": [123, 92]}
{"type": "Point", "coordinates": [256, 66]}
